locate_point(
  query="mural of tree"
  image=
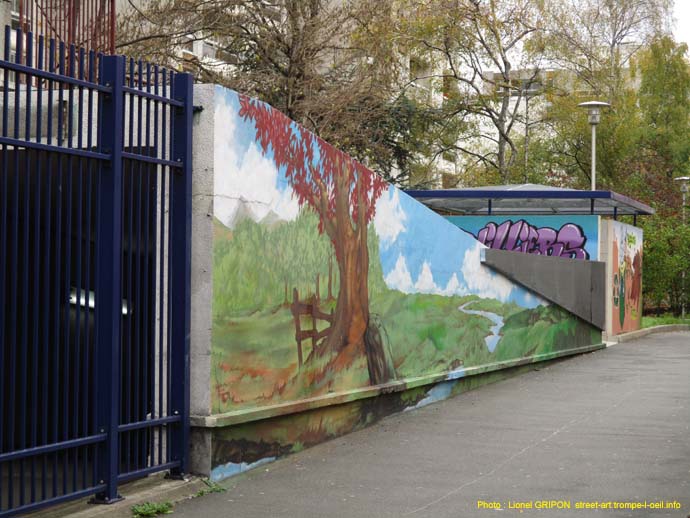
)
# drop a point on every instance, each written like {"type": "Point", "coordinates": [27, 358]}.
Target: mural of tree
{"type": "Point", "coordinates": [343, 193]}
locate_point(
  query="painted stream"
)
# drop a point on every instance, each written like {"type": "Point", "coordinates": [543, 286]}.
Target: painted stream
{"type": "Point", "coordinates": [495, 335]}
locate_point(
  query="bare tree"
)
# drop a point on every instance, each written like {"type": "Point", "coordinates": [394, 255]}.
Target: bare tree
{"type": "Point", "coordinates": [596, 39]}
{"type": "Point", "coordinates": [323, 63]}
{"type": "Point", "coordinates": [488, 50]}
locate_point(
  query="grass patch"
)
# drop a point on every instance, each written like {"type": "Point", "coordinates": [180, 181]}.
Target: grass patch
{"type": "Point", "coordinates": [665, 319]}
{"type": "Point", "coordinates": [148, 509]}
{"type": "Point", "coordinates": [211, 487]}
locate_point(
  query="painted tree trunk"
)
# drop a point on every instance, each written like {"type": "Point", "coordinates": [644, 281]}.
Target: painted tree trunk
{"type": "Point", "coordinates": [351, 325]}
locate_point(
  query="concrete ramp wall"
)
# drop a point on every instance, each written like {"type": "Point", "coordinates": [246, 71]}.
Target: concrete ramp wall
{"type": "Point", "coordinates": [324, 298]}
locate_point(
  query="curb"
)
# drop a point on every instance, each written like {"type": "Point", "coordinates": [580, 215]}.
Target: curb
{"type": "Point", "coordinates": [154, 488]}
{"type": "Point", "coordinates": [633, 335]}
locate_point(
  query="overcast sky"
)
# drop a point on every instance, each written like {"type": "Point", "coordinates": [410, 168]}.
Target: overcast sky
{"type": "Point", "coordinates": [682, 25]}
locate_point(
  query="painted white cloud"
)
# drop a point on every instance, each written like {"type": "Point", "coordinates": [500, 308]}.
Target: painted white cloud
{"type": "Point", "coordinates": [399, 278]}
{"type": "Point", "coordinates": [245, 182]}
{"type": "Point", "coordinates": [481, 280]}
{"type": "Point", "coordinates": [454, 287]}
{"type": "Point", "coordinates": [390, 218]}
{"type": "Point", "coordinates": [425, 282]}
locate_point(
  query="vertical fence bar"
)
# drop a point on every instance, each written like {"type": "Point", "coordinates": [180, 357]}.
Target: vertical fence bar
{"type": "Point", "coordinates": [148, 170]}
{"type": "Point", "coordinates": [168, 286]}
{"type": "Point", "coordinates": [162, 327]}
{"type": "Point", "coordinates": [4, 229]}
{"type": "Point", "coordinates": [180, 238]}
{"type": "Point", "coordinates": [136, 276]}
{"type": "Point", "coordinates": [88, 409]}
{"type": "Point", "coordinates": [108, 304]}
{"type": "Point", "coordinates": [55, 309]}
{"type": "Point", "coordinates": [45, 296]}
{"type": "Point", "coordinates": [69, 385]}
{"type": "Point", "coordinates": [80, 401]}
{"type": "Point", "coordinates": [93, 177]}
{"type": "Point", "coordinates": [60, 295]}
{"type": "Point", "coordinates": [154, 277]}
{"type": "Point", "coordinates": [14, 297]}
{"type": "Point", "coordinates": [129, 348]}
{"type": "Point", "coordinates": [80, 369]}
{"type": "Point", "coordinates": [35, 274]}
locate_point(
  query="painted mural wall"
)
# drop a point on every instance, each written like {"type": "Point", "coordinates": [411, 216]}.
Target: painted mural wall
{"type": "Point", "coordinates": [576, 237]}
{"type": "Point", "coordinates": [329, 283]}
{"type": "Point", "coordinates": [625, 242]}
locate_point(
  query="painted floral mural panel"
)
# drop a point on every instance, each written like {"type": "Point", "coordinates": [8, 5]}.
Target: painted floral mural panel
{"type": "Point", "coordinates": [626, 281]}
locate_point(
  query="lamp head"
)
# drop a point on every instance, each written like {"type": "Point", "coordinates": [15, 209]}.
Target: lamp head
{"type": "Point", "coordinates": [594, 110]}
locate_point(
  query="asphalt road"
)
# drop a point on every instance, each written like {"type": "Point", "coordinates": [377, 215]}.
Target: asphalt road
{"type": "Point", "coordinates": [609, 427]}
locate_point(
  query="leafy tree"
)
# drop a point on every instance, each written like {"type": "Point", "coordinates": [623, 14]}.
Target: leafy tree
{"type": "Point", "coordinates": [666, 256]}
{"type": "Point", "coordinates": [661, 153]}
{"type": "Point", "coordinates": [664, 100]}
{"type": "Point", "coordinates": [568, 144]}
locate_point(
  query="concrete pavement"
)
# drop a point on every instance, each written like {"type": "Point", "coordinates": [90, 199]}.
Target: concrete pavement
{"type": "Point", "coordinates": [609, 427]}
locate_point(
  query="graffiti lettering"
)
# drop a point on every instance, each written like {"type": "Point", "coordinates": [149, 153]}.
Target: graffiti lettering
{"type": "Point", "coordinates": [520, 236]}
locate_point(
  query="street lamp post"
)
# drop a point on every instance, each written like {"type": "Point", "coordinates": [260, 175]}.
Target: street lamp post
{"type": "Point", "coordinates": [684, 191]}
{"type": "Point", "coordinates": [594, 112]}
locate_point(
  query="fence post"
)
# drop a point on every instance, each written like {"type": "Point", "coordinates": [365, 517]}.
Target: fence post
{"type": "Point", "coordinates": [108, 297]}
{"type": "Point", "coordinates": [180, 271]}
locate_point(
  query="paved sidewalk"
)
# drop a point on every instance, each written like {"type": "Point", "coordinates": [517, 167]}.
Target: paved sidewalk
{"type": "Point", "coordinates": [612, 425]}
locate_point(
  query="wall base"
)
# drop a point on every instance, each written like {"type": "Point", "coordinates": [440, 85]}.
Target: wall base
{"type": "Point", "coordinates": [221, 452]}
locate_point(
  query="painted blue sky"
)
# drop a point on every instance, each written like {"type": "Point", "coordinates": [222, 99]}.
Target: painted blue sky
{"type": "Point", "coordinates": [426, 253]}
{"type": "Point", "coordinates": [420, 251]}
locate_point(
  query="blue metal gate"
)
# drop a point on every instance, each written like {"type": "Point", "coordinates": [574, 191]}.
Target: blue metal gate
{"type": "Point", "coordinates": [95, 211]}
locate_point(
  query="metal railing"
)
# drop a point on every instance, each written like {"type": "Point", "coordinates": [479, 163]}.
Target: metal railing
{"type": "Point", "coordinates": [83, 23]}
{"type": "Point", "coordinates": [95, 187]}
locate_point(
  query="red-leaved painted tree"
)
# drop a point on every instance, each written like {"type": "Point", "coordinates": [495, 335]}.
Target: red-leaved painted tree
{"type": "Point", "coordinates": [343, 193]}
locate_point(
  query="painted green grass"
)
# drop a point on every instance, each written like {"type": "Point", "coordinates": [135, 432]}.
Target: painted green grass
{"type": "Point", "coordinates": [504, 309]}
{"type": "Point", "coordinates": [542, 330]}
{"type": "Point", "coordinates": [254, 352]}
{"type": "Point", "coordinates": [255, 356]}
{"type": "Point", "coordinates": [255, 360]}
{"type": "Point", "coordinates": [428, 334]}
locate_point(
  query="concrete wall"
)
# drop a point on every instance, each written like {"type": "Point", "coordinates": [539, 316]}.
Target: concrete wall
{"type": "Point", "coordinates": [318, 288]}
{"type": "Point", "coordinates": [578, 287]}
{"type": "Point", "coordinates": [201, 274]}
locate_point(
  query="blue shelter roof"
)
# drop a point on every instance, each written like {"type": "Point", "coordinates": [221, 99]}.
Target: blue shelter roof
{"type": "Point", "coordinates": [529, 199]}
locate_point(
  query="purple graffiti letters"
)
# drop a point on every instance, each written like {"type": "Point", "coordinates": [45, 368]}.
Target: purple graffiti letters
{"type": "Point", "coordinates": [520, 236]}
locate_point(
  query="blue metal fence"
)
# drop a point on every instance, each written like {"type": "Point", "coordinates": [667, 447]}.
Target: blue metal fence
{"type": "Point", "coordinates": [95, 217]}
